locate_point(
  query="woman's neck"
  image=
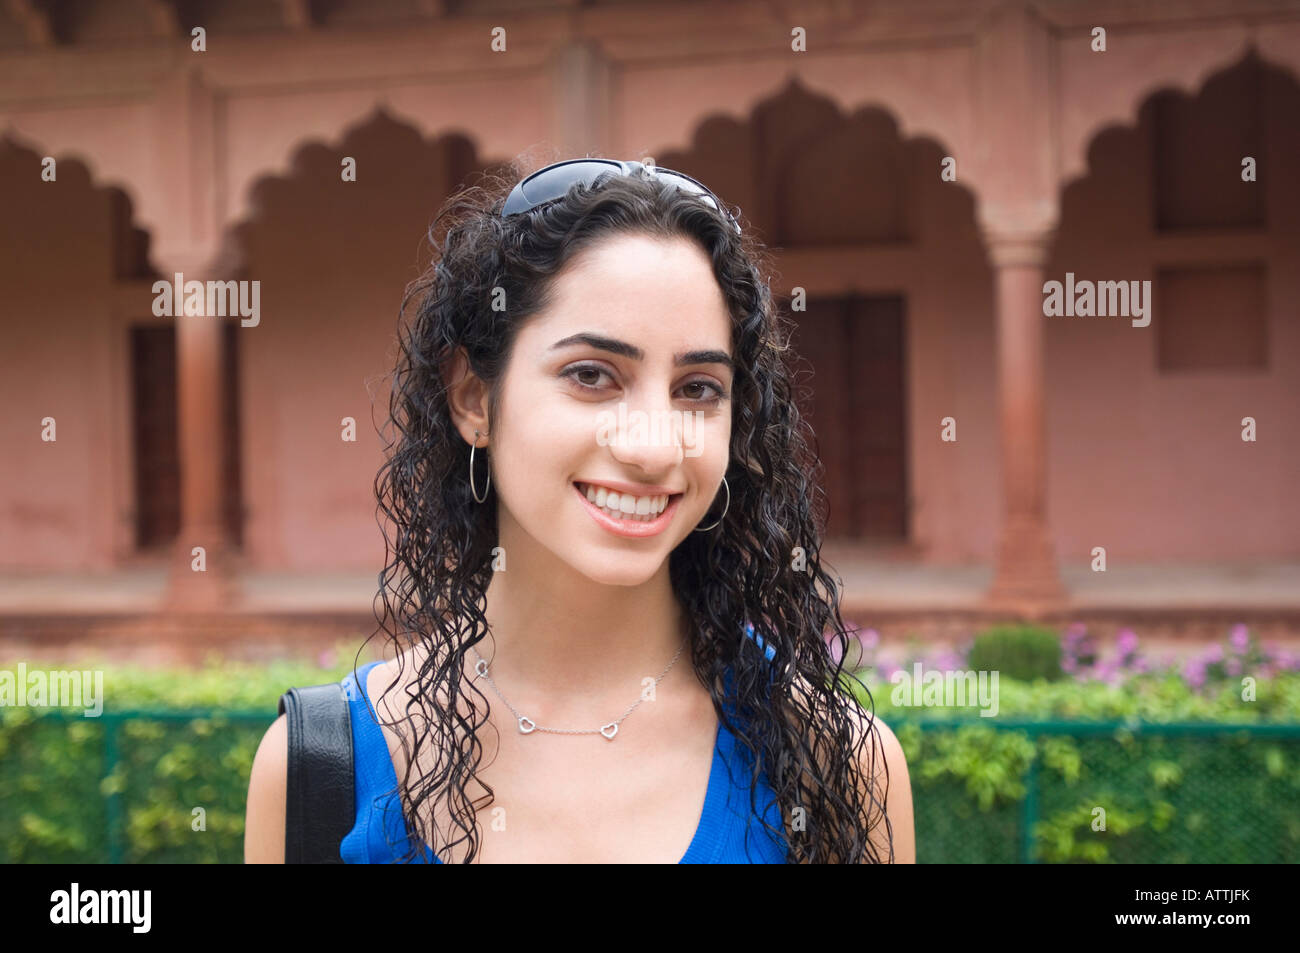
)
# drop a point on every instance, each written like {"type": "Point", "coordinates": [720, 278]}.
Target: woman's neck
{"type": "Point", "coordinates": [557, 634]}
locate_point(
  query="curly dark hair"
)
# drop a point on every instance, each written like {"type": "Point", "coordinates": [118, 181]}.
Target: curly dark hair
{"type": "Point", "coordinates": [792, 715]}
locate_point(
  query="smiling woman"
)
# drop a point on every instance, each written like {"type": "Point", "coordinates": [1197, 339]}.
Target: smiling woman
{"type": "Point", "coordinates": [545, 553]}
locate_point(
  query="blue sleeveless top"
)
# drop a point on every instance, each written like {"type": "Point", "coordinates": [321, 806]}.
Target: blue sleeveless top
{"type": "Point", "coordinates": [719, 837]}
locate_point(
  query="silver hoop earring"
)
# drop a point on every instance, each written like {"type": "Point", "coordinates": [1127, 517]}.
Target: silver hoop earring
{"type": "Point", "coordinates": [472, 488]}
{"type": "Point", "coordinates": [724, 509]}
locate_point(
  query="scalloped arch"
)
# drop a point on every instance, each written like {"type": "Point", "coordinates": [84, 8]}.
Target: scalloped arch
{"type": "Point", "coordinates": [1076, 167]}
{"type": "Point", "coordinates": [290, 165]}
{"type": "Point", "coordinates": [910, 127]}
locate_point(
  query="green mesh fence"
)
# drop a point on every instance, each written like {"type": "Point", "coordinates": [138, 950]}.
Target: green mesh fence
{"type": "Point", "coordinates": [170, 787]}
{"type": "Point", "coordinates": [1112, 792]}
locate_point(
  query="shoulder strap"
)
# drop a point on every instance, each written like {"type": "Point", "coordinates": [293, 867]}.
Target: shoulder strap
{"type": "Point", "coordinates": [319, 805]}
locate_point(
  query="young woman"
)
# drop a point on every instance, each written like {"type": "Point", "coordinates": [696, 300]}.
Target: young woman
{"type": "Point", "coordinates": [606, 600]}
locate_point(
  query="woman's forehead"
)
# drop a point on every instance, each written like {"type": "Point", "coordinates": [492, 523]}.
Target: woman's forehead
{"type": "Point", "coordinates": [660, 291]}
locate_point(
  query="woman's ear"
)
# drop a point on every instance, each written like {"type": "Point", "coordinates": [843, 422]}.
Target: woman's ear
{"type": "Point", "coordinates": [467, 397]}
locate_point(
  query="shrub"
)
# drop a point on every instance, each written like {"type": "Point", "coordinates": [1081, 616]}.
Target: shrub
{"type": "Point", "coordinates": [1023, 652]}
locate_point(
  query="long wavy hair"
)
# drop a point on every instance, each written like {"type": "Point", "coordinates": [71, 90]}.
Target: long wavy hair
{"type": "Point", "coordinates": [794, 717]}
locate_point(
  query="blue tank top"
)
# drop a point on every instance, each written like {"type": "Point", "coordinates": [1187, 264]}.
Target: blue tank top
{"type": "Point", "coordinates": [381, 836]}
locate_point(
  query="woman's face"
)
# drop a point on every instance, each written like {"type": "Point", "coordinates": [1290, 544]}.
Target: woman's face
{"type": "Point", "coordinates": [622, 386]}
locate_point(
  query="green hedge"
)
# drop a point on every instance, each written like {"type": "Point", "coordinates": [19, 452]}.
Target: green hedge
{"type": "Point", "coordinates": [1182, 776]}
{"type": "Point", "coordinates": [1023, 652]}
{"type": "Point", "coordinates": [980, 790]}
{"type": "Point", "coordinates": [59, 802]}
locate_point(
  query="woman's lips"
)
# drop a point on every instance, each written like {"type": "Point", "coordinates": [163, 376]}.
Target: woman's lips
{"type": "Point", "coordinates": [629, 527]}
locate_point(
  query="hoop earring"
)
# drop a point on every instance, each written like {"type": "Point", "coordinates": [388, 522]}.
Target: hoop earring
{"type": "Point", "coordinates": [472, 488]}
{"type": "Point", "coordinates": [724, 509]}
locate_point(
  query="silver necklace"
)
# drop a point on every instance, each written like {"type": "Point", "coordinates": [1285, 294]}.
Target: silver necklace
{"type": "Point", "coordinates": [527, 726]}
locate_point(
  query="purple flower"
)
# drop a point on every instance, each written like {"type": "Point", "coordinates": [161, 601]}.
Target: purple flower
{"type": "Point", "coordinates": [1194, 673]}
{"type": "Point", "coordinates": [1214, 653]}
{"type": "Point", "coordinates": [870, 638]}
{"type": "Point", "coordinates": [1128, 641]}
{"type": "Point", "coordinates": [1240, 638]}
{"type": "Point", "coordinates": [947, 661]}
{"type": "Point", "coordinates": [836, 649]}
{"type": "Point", "coordinates": [1068, 664]}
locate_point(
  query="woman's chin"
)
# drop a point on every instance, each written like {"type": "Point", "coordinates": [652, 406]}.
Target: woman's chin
{"type": "Point", "coordinates": [604, 571]}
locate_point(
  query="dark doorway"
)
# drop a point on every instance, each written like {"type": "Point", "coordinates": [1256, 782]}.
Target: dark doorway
{"type": "Point", "coordinates": [855, 347]}
{"type": "Point", "coordinates": [157, 447]}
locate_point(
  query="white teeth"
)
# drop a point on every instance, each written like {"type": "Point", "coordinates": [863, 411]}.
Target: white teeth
{"type": "Point", "coordinates": [625, 506]}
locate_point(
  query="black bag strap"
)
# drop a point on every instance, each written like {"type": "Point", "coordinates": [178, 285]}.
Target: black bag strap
{"type": "Point", "coordinates": [319, 806]}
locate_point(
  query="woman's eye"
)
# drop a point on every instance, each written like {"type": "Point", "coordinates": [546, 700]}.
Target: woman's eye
{"type": "Point", "coordinates": [703, 395]}
{"type": "Point", "coordinates": [590, 378]}
{"type": "Point", "coordinates": [586, 376]}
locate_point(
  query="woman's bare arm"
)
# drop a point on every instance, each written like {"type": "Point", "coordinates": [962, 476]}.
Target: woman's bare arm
{"type": "Point", "coordinates": [264, 820]}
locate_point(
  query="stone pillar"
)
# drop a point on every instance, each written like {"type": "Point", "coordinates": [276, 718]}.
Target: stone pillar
{"type": "Point", "coordinates": [580, 84]}
{"type": "Point", "coordinates": [185, 147]}
{"type": "Point", "coordinates": [1026, 580]}
{"type": "Point", "coordinates": [201, 436]}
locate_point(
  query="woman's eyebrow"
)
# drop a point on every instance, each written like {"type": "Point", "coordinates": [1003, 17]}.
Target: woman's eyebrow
{"type": "Point", "coordinates": [624, 349]}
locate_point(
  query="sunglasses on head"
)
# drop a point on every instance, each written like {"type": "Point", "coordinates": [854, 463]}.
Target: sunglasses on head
{"type": "Point", "coordinates": [554, 181]}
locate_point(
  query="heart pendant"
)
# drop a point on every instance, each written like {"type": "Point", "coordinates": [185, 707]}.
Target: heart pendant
{"type": "Point", "coordinates": [610, 730]}
{"type": "Point", "coordinates": [526, 724]}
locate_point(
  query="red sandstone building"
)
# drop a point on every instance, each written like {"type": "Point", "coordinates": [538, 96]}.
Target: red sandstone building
{"type": "Point", "coordinates": [919, 169]}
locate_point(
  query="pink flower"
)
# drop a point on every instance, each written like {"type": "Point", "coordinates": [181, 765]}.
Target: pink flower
{"type": "Point", "coordinates": [836, 649]}
{"type": "Point", "coordinates": [326, 658]}
{"type": "Point", "coordinates": [869, 639]}
{"type": "Point", "coordinates": [1214, 653]}
{"type": "Point", "coordinates": [1128, 641]}
{"type": "Point", "coordinates": [1240, 638]}
{"type": "Point", "coordinates": [948, 661]}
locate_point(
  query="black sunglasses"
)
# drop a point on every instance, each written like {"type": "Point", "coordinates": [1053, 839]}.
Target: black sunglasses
{"type": "Point", "coordinates": [553, 183]}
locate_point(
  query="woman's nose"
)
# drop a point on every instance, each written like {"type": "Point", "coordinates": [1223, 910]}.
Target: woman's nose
{"type": "Point", "coordinates": [648, 437]}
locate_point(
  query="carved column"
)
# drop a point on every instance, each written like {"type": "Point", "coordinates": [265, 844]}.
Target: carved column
{"type": "Point", "coordinates": [201, 435]}
{"type": "Point", "coordinates": [580, 84]}
{"type": "Point", "coordinates": [1026, 578]}
{"type": "Point", "coordinates": [187, 242]}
